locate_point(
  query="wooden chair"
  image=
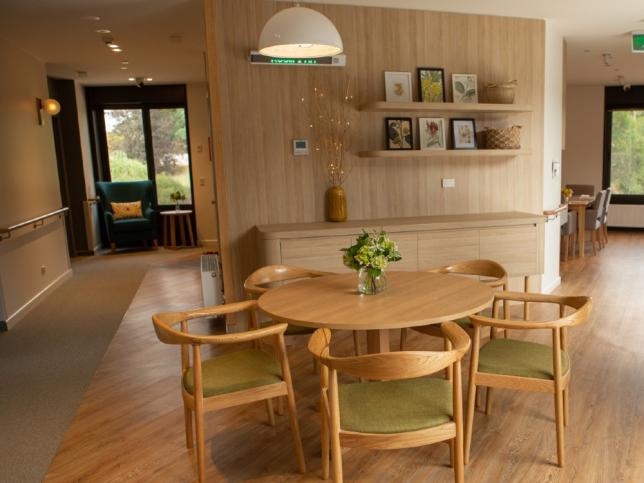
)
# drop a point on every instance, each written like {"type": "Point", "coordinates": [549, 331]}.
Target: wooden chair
{"type": "Point", "coordinates": [522, 365]}
{"type": "Point", "coordinates": [231, 379]}
{"type": "Point", "coordinates": [604, 230]}
{"type": "Point", "coordinates": [594, 220]}
{"type": "Point", "coordinates": [401, 409]}
{"type": "Point", "coordinates": [494, 274]}
{"type": "Point", "coordinates": [263, 279]}
{"type": "Point", "coordinates": [568, 233]}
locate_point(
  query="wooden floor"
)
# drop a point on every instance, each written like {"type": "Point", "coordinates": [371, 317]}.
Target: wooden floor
{"type": "Point", "coordinates": [129, 426]}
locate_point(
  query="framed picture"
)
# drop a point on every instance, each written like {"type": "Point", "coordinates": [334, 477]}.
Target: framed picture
{"type": "Point", "coordinates": [463, 133]}
{"type": "Point", "coordinates": [431, 132]}
{"type": "Point", "coordinates": [464, 88]}
{"type": "Point", "coordinates": [399, 133]}
{"type": "Point", "coordinates": [431, 84]}
{"type": "Point", "coordinates": [398, 87]}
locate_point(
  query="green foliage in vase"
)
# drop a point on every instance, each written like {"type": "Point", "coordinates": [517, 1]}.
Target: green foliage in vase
{"type": "Point", "coordinates": [177, 196]}
{"type": "Point", "coordinates": [372, 251]}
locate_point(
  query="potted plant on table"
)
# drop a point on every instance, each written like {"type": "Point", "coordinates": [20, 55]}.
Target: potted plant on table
{"type": "Point", "coordinates": [567, 194]}
{"type": "Point", "coordinates": [369, 256]}
{"type": "Point", "coordinates": [177, 197]}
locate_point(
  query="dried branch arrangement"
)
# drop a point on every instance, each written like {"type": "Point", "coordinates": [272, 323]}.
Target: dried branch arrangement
{"type": "Point", "coordinates": [331, 116]}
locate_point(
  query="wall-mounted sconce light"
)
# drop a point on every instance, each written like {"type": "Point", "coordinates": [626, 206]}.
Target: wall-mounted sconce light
{"type": "Point", "coordinates": [50, 107]}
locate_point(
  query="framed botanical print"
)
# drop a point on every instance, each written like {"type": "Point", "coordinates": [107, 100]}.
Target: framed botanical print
{"type": "Point", "coordinates": [431, 133]}
{"type": "Point", "coordinates": [463, 133]}
{"type": "Point", "coordinates": [398, 87]}
{"type": "Point", "coordinates": [464, 88]}
{"type": "Point", "coordinates": [399, 133]}
{"type": "Point", "coordinates": [431, 84]}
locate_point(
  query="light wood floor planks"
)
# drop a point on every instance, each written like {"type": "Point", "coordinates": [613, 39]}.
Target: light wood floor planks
{"type": "Point", "coordinates": [129, 426]}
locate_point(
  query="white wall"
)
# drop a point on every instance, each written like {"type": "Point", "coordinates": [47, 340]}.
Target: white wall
{"type": "Point", "coordinates": [202, 166]}
{"type": "Point", "coordinates": [28, 187]}
{"type": "Point", "coordinates": [552, 144]}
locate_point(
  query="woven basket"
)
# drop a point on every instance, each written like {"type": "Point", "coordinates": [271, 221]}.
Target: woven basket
{"type": "Point", "coordinates": [502, 93]}
{"type": "Point", "coordinates": [505, 138]}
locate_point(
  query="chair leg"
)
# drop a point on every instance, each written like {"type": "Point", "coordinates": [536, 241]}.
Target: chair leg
{"type": "Point", "coordinates": [356, 343]}
{"type": "Point", "coordinates": [279, 405]}
{"type": "Point", "coordinates": [155, 243]}
{"type": "Point", "coordinates": [269, 412]}
{"type": "Point", "coordinates": [606, 233]}
{"type": "Point", "coordinates": [295, 428]}
{"type": "Point", "coordinates": [593, 239]}
{"type": "Point", "coordinates": [449, 370]}
{"type": "Point", "coordinates": [334, 430]}
{"type": "Point", "coordinates": [201, 456]}
{"type": "Point", "coordinates": [469, 417]}
{"type": "Point", "coordinates": [565, 243]}
{"type": "Point", "coordinates": [451, 452]}
{"type": "Point", "coordinates": [113, 247]}
{"type": "Point", "coordinates": [559, 419]}
{"type": "Point", "coordinates": [187, 413]}
{"type": "Point", "coordinates": [403, 339]}
{"type": "Point", "coordinates": [566, 411]}
{"type": "Point", "coordinates": [488, 402]}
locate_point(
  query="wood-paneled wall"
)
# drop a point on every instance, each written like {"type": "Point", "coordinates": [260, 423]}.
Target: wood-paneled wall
{"type": "Point", "coordinates": [257, 113]}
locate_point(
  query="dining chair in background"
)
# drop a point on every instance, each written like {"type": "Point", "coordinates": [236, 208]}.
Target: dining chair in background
{"type": "Point", "coordinates": [522, 365]}
{"type": "Point", "coordinates": [265, 278]}
{"type": "Point", "coordinates": [232, 379]}
{"type": "Point", "coordinates": [568, 233]}
{"type": "Point", "coordinates": [594, 220]}
{"type": "Point", "coordinates": [604, 230]}
{"type": "Point", "coordinates": [399, 408]}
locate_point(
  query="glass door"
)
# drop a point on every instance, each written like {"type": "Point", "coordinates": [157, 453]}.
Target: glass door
{"type": "Point", "coordinates": [171, 154]}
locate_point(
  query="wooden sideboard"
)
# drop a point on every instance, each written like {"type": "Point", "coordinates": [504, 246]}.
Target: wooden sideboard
{"type": "Point", "coordinates": [513, 239]}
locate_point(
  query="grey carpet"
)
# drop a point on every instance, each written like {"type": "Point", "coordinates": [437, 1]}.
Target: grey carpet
{"type": "Point", "coordinates": [48, 359]}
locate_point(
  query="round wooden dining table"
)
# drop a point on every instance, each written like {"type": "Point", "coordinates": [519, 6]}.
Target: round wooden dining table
{"type": "Point", "coordinates": [411, 299]}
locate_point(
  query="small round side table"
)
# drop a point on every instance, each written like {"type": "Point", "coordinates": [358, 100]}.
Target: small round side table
{"type": "Point", "coordinates": [174, 220]}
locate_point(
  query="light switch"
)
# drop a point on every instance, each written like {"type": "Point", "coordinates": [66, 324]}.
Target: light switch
{"type": "Point", "coordinates": [199, 148]}
{"type": "Point", "coordinates": [300, 147]}
{"type": "Point", "coordinates": [448, 183]}
{"type": "Point", "coordinates": [556, 168]}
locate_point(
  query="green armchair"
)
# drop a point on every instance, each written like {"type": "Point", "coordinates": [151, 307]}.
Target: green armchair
{"type": "Point", "coordinates": [130, 230]}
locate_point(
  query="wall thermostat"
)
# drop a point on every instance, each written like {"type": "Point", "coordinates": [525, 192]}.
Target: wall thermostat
{"type": "Point", "coordinates": [300, 147]}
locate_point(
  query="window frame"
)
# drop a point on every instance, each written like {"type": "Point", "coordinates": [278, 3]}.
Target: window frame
{"type": "Point", "coordinates": [618, 99]}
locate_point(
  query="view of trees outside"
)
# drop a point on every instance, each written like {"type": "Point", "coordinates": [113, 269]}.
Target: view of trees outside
{"type": "Point", "coordinates": [627, 153]}
{"type": "Point", "coordinates": [126, 148]}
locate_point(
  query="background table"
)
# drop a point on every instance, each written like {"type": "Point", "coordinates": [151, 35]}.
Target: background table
{"type": "Point", "coordinates": [580, 204]}
{"type": "Point", "coordinates": [182, 219]}
{"type": "Point", "coordinates": [411, 299]}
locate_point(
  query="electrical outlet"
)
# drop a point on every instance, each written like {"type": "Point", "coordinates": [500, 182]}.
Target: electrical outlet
{"type": "Point", "coordinates": [199, 148]}
{"type": "Point", "coordinates": [556, 169]}
{"type": "Point", "coordinates": [202, 181]}
{"type": "Point", "coordinates": [448, 183]}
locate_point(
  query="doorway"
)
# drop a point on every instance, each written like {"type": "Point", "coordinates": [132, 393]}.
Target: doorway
{"type": "Point", "coordinates": [142, 134]}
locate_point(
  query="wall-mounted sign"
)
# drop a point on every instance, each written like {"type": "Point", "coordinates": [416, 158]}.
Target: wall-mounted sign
{"type": "Point", "coordinates": [637, 43]}
{"type": "Point", "coordinates": [331, 61]}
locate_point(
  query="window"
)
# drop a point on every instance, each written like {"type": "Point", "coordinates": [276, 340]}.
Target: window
{"type": "Point", "coordinates": [125, 144]}
{"type": "Point", "coordinates": [627, 152]}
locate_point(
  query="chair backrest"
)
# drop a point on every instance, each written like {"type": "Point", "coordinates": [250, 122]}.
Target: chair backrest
{"type": "Point", "coordinates": [599, 205]}
{"type": "Point", "coordinates": [125, 191]}
{"type": "Point", "coordinates": [570, 227]}
{"type": "Point", "coordinates": [582, 189]}
{"type": "Point", "coordinates": [261, 280]}
{"type": "Point", "coordinates": [392, 365]}
{"type": "Point", "coordinates": [580, 306]}
{"type": "Point", "coordinates": [609, 193]}
{"type": "Point", "coordinates": [492, 270]}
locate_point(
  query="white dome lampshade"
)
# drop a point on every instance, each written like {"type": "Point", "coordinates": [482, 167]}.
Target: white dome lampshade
{"type": "Point", "coordinates": [299, 32]}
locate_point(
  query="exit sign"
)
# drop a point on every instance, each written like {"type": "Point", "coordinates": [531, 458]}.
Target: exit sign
{"type": "Point", "coordinates": [638, 42]}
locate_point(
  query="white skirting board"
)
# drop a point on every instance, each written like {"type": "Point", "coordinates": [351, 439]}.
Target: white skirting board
{"type": "Point", "coordinates": [14, 318]}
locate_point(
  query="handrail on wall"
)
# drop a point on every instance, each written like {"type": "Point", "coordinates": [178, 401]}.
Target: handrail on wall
{"type": "Point", "coordinates": [553, 214]}
{"type": "Point", "coordinates": [5, 232]}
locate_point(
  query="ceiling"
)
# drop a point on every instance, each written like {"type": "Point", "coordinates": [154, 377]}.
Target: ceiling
{"type": "Point", "coordinates": [164, 39]}
{"type": "Point", "coordinates": [161, 39]}
{"type": "Point", "coordinates": [596, 25]}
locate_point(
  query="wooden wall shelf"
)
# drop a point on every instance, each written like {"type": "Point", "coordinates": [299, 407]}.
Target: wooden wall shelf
{"type": "Point", "coordinates": [444, 107]}
{"type": "Point", "coordinates": [439, 153]}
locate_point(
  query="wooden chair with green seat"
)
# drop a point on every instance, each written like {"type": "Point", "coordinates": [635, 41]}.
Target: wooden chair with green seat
{"type": "Point", "coordinates": [231, 379]}
{"type": "Point", "coordinates": [522, 365]}
{"type": "Point", "coordinates": [265, 278]}
{"type": "Point", "coordinates": [494, 275]}
{"type": "Point", "coordinates": [400, 409]}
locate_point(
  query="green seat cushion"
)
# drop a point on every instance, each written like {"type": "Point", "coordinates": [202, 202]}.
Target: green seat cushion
{"type": "Point", "coordinates": [519, 358]}
{"type": "Point", "coordinates": [292, 329]}
{"type": "Point", "coordinates": [386, 407]}
{"type": "Point", "coordinates": [235, 372]}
